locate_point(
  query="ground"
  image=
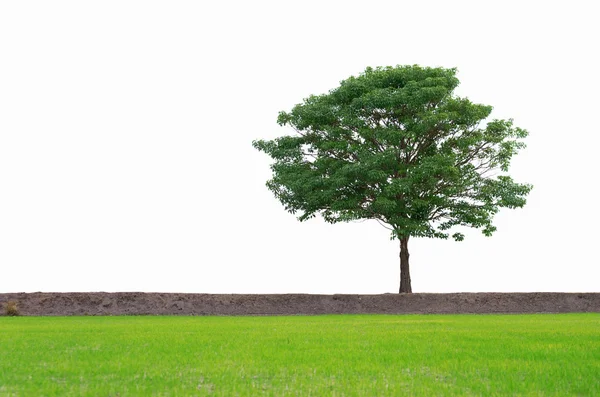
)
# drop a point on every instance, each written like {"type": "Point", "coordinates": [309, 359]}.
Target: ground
{"type": "Point", "coordinates": [139, 303]}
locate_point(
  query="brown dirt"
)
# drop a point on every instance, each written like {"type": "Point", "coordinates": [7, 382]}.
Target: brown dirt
{"type": "Point", "coordinates": [140, 303]}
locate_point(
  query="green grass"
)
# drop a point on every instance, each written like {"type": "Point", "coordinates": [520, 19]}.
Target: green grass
{"type": "Point", "coordinates": [341, 355]}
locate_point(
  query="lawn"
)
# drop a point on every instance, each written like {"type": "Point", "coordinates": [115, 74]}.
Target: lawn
{"type": "Point", "coordinates": [338, 355]}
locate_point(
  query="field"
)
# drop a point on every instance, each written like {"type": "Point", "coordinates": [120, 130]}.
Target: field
{"type": "Point", "coordinates": [338, 355]}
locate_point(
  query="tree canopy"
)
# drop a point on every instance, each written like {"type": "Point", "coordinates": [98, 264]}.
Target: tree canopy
{"type": "Point", "coordinates": [396, 145]}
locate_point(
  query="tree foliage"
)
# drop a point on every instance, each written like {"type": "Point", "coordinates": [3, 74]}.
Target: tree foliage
{"type": "Point", "coordinates": [396, 145]}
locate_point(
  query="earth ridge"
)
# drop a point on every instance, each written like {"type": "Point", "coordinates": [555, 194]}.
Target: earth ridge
{"type": "Point", "coordinates": [144, 303]}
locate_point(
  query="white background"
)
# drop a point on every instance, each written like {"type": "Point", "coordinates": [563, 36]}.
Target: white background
{"type": "Point", "coordinates": [126, 126]}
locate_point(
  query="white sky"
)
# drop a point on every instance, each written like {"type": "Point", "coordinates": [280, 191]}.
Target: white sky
{"type": "Point", "coordinates": [125, 143]}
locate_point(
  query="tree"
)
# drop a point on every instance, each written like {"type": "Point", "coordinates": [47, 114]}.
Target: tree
{"type": "Point", "coordinates": [396, 145]}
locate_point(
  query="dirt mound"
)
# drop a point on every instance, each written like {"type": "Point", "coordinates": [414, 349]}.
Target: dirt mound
{"type": "Point", "coordinates": [140, 303]}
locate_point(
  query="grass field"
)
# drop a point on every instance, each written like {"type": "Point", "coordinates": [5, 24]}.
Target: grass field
{"type": "Point", "coordinates": [340, 355]}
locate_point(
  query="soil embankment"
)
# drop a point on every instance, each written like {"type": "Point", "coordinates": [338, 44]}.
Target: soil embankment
{"type": "Point", "coordinates": [140, 303]}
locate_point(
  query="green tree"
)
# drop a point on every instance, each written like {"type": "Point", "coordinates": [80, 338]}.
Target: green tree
{"type": "Point", "coordinates": [396, 145]}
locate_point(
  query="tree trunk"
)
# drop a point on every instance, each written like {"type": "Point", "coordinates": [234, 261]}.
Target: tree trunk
{"type": "Point", "coordinates": [405, 286]}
